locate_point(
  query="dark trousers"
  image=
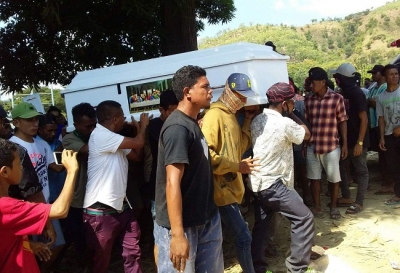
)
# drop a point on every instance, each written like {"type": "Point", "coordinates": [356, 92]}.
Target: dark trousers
{"type": "Point", "coordinates": [392, 155]}
{"type": "Point", "coordinates": [361, 175]}
{"type": "Point", "coordinates": [101, 233]}
{"type": "Point", "coordinates": [374, 136]}
{"type": "Point", "coordinates": [278, 198]}
{"type": "Point", "coordinates": [74, 232]}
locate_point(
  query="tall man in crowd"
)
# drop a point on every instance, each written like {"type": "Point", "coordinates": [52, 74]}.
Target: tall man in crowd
{"type": "Point", "coordinates": [107, 214]}
{"type": "Point", "coordinates": [227, 142]}
{"type": "Point", "coordinates": [188, 228]}
{"type": "Point", "coordinates": [273, 134]}
{"type": "Point", "coordinates": [168, 103]}
{"type": "Point", "coordinates": [325, 113]}
{"type": "Point", "coordinates": [84, 118]}
{"type": "Point", "coordinates": [357, 137]}
{"type": "Point", "coordinates": [388, 112]}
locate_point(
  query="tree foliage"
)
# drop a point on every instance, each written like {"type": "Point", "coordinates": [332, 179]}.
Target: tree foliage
{"type": "Point", "coordinates": [51, 40]}
{"type": "Point", "coordinates": [361, 38]}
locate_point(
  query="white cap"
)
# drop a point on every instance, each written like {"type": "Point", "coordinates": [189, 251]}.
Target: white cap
{"type": "Point", "coordinates": [346, 69]}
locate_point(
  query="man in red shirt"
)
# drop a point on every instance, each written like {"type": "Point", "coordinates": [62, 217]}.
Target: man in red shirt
{"type": "Point", "coordinates": [18, 219]}
{"type": "Point", "coordinates": [325, 113]}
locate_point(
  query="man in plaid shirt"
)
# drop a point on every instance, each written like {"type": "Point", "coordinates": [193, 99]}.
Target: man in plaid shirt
{"type": "Point", "coordinates": [326, 114]}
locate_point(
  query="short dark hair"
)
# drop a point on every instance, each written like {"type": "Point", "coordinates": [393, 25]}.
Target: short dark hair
{"type": "Point", "coordinates": [83, 109]}
{"type": "Point", "coordinates": [186, 76]}
{"type": "Point", "coordinates": [387, 67]}
{"type": "Point", "coordinates": [54, 109]}
{"type": "Point", "coordinates": [168, 98]}
{"type": "Point", "coordinates": [7, 149]}
{"type": "Point", "coordinates": [49, 118]}
{"type": "Point", "coordinates": [106, 110]}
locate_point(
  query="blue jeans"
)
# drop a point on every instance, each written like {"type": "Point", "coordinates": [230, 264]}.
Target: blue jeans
{"type": "Point", "coordinates": [392, 155]}
{"type": "Point", "coordinates": [234, 221]}
{"type": "Point", "coordinates": [361, 175]}
{"type": "Point", "coordinates": [205, 254]}
{"type": "Point", "coordinates": [278, 198]}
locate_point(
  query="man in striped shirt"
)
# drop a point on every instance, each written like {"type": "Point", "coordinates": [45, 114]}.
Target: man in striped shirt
{"type": "Point", "coordinates": [325, 112]}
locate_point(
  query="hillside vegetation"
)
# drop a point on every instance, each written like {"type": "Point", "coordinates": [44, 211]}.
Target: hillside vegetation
{"type": "Point", "coordinates": [362, 39]}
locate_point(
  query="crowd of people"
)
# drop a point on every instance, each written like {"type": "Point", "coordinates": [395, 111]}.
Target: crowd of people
{"type": "Point", "coordinates": [175, 181]}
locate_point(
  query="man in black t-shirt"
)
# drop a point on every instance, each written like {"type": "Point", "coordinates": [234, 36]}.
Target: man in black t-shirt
{"type": "Point", "coordinates": [168, 103]}
{"type": "Point", "coordinates": [357, 137]}
{"type": "Point", "coordinates": [188, 230]}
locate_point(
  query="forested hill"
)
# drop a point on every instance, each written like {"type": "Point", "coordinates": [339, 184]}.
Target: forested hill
{"type": "Point", "coordinates": [362, 38]}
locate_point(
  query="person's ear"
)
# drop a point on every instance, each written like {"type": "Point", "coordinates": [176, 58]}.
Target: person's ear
{"type": "Point", "coordinates": [187, 92]}
{"type": "Point", "coordinates": [4, 171]}
{"type": "Point", "coordinates": [15, 122]}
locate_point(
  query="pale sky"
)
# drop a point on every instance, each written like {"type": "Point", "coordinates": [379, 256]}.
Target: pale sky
{"type": "Point", "coordinates": [290, 12]}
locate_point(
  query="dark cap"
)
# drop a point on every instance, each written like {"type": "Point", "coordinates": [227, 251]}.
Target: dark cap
{"type": "Point", "coordinates": [3, 113]}
{"type": "Point", "coordinates": [241, 83]}
{"type": "Point", "coordinates": [376, 68]}
{"type": "Point", "coordinates": [168, 97]}
{"type": "Point", "coordinates": [317, 74]}
{"type": "Point", "coordinates": [279, 92]}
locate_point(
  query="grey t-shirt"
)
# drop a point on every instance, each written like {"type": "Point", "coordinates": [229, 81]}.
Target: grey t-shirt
{"type": "Point", "coordinates": [388, 106]}
{"type": "Point", "coordinates": [181, 141]}
{"type": "Point", "coordinates": [72, 142]}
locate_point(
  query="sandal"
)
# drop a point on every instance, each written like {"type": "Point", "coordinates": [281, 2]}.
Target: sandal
{"type": "Point", "coordinates": [354, 209]}
{"type": "Point", "coordinates": [392, 201]}
{"type": "Point", "coordinates": [335, 214]}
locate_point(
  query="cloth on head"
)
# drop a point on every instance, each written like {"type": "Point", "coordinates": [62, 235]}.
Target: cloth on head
{"type": "Point", "coordinates": [24, 110]}
{"type": "Point", "coordinates": [279, 92]}
{"type": "Point", "coordinates": [231, 101]}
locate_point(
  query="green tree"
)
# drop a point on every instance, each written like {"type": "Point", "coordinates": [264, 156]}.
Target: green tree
{"type": "Point", "coordinates": [48, 41]}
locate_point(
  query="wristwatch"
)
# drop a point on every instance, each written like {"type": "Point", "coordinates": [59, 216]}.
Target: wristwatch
{"type": "Point", "coordinates": [360, 143]}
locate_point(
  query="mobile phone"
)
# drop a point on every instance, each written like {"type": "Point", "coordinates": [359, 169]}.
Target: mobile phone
{"type": "Point", "coordinates": [58, 157]}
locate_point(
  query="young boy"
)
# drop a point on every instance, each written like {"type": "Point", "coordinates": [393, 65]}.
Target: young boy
{"type": "Point", "coordinates": [20, 218]}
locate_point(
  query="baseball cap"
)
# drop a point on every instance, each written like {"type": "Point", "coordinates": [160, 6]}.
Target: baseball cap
{"type": "Point", "coordinates": [317, 74]}
{"type": "Point", "coordinates": [241, 83]}
{"type": "Point", "coordinates": [3, 113]}
{"type": "Point", "coordinates": [346, 69]}
{"type": "Point", "coordinates": [279, 92]}
{"type": "Point", "coordinates": [24, 110]}
{"type": "Point", "coordinates": [376, 68]}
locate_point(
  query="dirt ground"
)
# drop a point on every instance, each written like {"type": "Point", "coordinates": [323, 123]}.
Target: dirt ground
{"type": "Point", "coordinates": [363, 243]}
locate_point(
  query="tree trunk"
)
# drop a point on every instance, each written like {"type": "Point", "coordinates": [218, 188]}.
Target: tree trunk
{"type": "Point", "coordinates": [178, 23]}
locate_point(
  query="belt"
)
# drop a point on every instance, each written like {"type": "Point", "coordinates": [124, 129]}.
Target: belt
{"type": "Point", "coordinates": [104, 211]}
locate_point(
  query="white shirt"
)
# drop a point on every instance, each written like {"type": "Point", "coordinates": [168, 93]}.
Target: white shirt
{"type": "Point", "coordinates": [388, 106]}
{"type": "Point", "coordinates": [107, 169]}
{"type": "Point", "coordinates": [41, 157]}
{"type": "Point", "coordinates": [273, 136]}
